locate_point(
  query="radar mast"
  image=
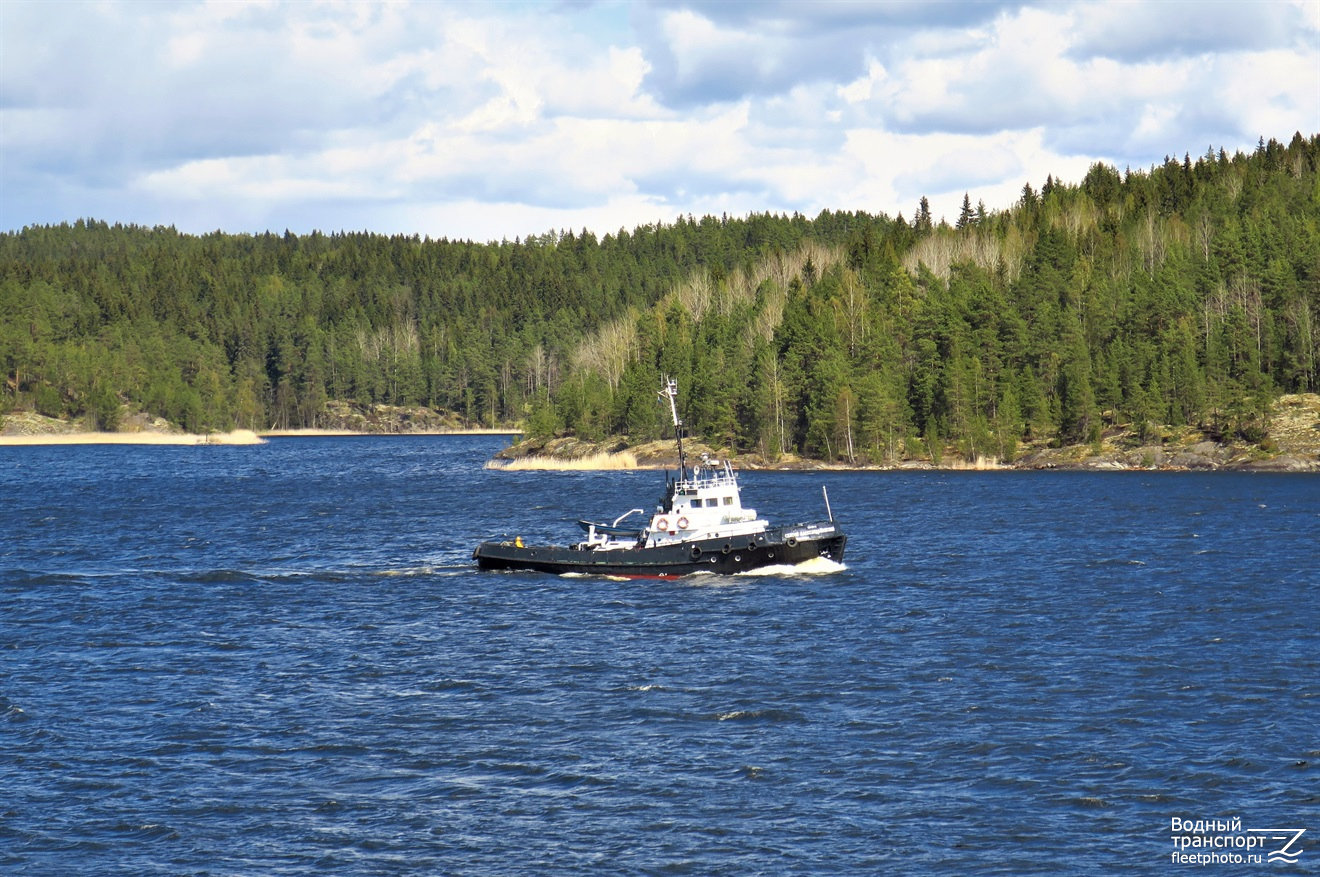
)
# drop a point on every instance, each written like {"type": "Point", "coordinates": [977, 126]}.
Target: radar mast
{"type": "Point", "coordinates": [670, 392]}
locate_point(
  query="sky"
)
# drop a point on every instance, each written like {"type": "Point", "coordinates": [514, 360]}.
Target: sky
{"type": "Point", "coordinates": [498, 120]}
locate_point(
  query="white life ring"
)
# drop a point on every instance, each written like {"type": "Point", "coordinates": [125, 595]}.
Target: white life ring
{"type": "Point", "coordinates": [662, 523]}
{"type": "Point", "coordinates": [682, 523]}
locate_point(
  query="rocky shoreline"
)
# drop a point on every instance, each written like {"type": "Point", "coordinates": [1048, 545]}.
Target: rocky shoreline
{"type": "Point", "coordinates": [365, 419]}
{"type": "Point", "coordinates": [338, 418]}
{"type": "Point", "coordinates": [1293, 446]}
{"type": "Point", "coordinates": [1203, 456]}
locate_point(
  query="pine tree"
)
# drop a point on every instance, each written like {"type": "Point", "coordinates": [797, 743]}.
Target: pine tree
{"type": "Point", "coordinates": [966, 216]}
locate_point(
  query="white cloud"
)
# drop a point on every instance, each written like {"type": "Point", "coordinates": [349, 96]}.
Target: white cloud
{"type": "Point", "coordinates": [899, 169]}
{"type": "Point", "coordinates": [1309, 10]}
{"type": "Point", "coordinates": [862, 88]}
{"type": "Point", "coordinates": [1136, 31]}
{"type": "Point", "coordinates": [499, 120]}
{"type": "Point", "coordinates": [1269, 93]}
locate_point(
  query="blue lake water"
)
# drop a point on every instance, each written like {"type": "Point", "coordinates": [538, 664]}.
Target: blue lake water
{"type": "Point", "coordinates": [280, 660]}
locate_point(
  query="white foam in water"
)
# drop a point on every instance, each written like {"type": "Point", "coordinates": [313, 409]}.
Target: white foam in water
{"type": "Point", "coordinates": [817, 566]}
{"type": "Point", "coordinates": [439, 569]}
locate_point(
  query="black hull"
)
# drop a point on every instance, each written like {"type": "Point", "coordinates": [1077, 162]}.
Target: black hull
{"type": "Point", "coordinates": [779, 545]}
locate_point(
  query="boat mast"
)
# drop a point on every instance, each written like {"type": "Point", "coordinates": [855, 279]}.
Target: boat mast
{"type": "Point", "coordinates": [670, 392]}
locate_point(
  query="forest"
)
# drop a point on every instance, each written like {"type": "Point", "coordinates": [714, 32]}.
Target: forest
{"type": "Point", "coordinates": [1187, 293]}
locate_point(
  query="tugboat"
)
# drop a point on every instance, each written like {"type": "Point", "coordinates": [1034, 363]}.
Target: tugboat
{"type": "Point", "coordinates": [700, 525]}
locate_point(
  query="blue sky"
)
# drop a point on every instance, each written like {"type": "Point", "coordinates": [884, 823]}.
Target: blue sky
{"type": "Point", "coordinates": [499, 120]}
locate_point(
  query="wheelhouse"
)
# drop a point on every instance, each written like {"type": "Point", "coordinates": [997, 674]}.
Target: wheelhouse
{"type": "Point", "coordinates": [703, 502]}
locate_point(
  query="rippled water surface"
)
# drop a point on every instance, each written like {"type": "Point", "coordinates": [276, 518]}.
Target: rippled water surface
{"type": "Point", "coordinates": [279, 660]}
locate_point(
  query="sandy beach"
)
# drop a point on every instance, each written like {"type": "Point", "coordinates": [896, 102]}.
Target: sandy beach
{"type": "Point", "coordinates": [236, 437]}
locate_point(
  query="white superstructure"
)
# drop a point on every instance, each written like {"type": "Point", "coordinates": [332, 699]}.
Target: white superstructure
{"type": "Point", "coordinates": [704, 503]}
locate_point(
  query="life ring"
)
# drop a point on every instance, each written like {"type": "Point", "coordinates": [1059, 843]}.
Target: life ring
{"type": "Point", "coordinates": [662, 523]}
{"type": "Point", "coordinates": [791, 541]}
{"type": "Point", "coordinates": [696, 552]}
{"type": "Point", "coordinates": [682, 523]}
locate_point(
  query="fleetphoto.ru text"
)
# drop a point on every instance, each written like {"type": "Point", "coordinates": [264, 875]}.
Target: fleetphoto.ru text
{"type": "Point", "coordinates": [1226, 842]}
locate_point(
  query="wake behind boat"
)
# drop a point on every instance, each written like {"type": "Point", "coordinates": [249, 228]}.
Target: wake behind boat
{"type": "Point", "coordinates": [700, 525]}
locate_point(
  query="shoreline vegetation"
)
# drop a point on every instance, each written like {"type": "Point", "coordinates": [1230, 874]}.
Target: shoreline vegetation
{"type": "Point", "coordinates": [1293, 446]}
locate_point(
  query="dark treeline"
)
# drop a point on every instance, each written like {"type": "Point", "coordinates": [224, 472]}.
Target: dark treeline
{"type": "Point", "coordinates": [256, 331]}
{"type": "Point", "coordinates": [1187, 294]}
{"type": "Point", "coordinates": [1184, 294]}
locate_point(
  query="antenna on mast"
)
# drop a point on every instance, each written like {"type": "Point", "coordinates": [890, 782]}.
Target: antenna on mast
{"type": "Point", "coordinates": [670, 392]}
